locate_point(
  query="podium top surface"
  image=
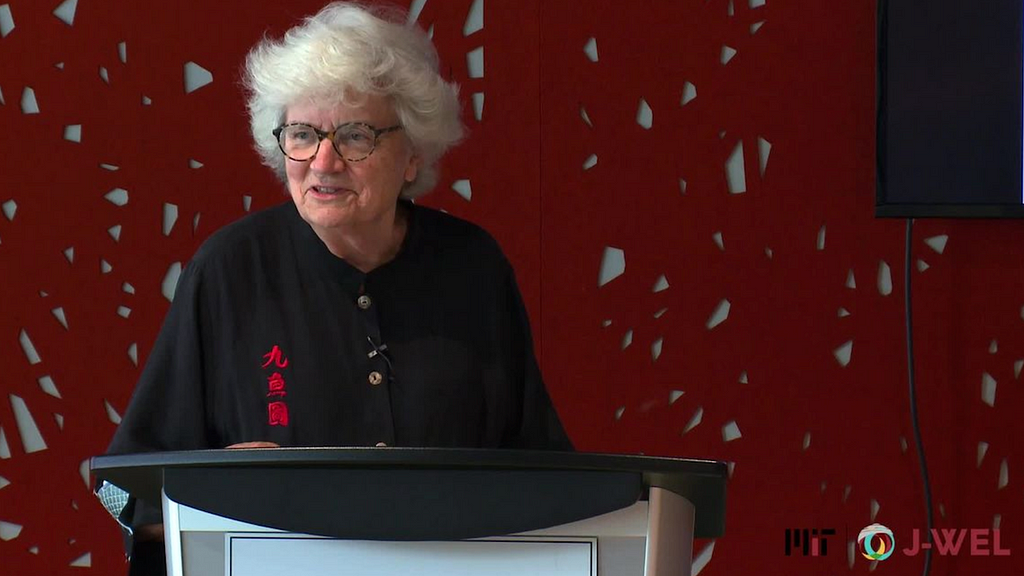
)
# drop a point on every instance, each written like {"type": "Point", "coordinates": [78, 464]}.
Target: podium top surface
{"type": "Point", "coordinates": [190, 475]}
{"type": "Point", "coordinates": [112, 465]}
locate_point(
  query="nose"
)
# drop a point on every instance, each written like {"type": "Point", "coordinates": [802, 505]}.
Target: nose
{"type": "Point", "coordinates": [327, 158]}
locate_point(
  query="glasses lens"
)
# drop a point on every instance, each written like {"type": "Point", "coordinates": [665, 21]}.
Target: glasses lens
{"type": "Point", "coordinates": [299, 142]}
{"type": "Point", "coordinates": [354, 141]}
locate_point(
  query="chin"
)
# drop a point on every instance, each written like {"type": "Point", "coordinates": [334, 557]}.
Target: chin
{"type": "Point", "coordinates": [327, 217]}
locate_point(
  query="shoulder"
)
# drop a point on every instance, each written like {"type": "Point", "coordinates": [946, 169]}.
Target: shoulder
{"type": "Point", "coordinates": [456, 238]}
{"type": "Point", "coordinates": [259, 234]}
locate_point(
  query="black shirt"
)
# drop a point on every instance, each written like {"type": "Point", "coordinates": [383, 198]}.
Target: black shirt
{"type": "Point", "coordinates": [271, 337]}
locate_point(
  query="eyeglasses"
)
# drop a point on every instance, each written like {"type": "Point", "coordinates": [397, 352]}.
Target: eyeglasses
{"type": "Point", "coordinates": [354, 141]}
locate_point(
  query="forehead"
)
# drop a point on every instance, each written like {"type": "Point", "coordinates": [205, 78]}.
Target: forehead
{"type": "Point", "coordinates": [370, 108]}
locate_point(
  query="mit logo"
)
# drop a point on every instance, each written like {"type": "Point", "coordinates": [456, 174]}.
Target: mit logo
{"type": "Point", "coordinates": [811, 541]}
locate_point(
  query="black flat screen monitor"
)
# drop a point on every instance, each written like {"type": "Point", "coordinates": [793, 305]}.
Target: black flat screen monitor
{"type": "Point", "coordinates": [950, 109]}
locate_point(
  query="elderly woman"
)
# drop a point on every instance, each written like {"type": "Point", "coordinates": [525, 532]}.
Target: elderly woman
{"type": "Point", "coordinates": [349, 316]}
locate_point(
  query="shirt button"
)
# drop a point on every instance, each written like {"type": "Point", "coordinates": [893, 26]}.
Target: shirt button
{"type": "Point", "coordinates": [364, 302]}
{"type": "Point", "coordinates": [382, 445]}
{"type": "Point", "coordinates": [375, 378]}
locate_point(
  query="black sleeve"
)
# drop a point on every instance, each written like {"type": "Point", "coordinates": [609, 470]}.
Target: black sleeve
{"type": "Point", "coordinates": [168, 408]}
{"type": "Point", "coordinates": [540, 427]}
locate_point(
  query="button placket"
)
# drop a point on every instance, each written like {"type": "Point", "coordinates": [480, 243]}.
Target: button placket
{"type": "Point", "coordinates": [378, 366]}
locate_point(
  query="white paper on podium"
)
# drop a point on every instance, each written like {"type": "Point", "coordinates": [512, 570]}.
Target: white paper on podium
{"type": "Point", "coordinates": [264, 554]}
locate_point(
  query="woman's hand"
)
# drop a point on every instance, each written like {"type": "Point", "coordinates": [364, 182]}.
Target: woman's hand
{"type": "Point", "coordinates": [249, 445]}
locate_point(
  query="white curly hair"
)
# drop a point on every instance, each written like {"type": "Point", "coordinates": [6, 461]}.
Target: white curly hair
{"type": "Point", "coordinates": [344, 51]}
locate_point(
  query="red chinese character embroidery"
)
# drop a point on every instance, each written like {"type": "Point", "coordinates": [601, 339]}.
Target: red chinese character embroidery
{"type": "Point", "coordinates": [275, 385]}
{"type": "Point", "coordinates": [277, 414]}
{"type": "Point", "coordinates": [275, 357]}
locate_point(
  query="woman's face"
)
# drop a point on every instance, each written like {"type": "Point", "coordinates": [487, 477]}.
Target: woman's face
{"type": "Point", "coordinates": [332, 193]}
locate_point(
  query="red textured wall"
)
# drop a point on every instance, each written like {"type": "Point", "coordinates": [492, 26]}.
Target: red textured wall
{"type": "Point", "coordinates": [820, 439]}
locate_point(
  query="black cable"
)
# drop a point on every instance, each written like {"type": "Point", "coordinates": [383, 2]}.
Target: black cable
{"type": "Point", "coordinates": [382, 351]}
{"type": "Point", "coordinates": [908, 268]}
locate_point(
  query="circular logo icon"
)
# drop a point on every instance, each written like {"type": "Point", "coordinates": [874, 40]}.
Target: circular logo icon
{"type": "Point", "coordinates": [876, 542]}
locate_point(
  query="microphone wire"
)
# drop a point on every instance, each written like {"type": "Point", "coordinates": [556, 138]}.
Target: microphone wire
{"type": "Point", "coordinates": [908, 268]}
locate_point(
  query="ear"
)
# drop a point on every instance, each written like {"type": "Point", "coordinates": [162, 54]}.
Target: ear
{"type": "Point", "coordinates": [412, 167]}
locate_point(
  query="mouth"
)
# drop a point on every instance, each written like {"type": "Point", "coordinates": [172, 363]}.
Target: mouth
{"type": "Point", "coordinates": [327, 191]}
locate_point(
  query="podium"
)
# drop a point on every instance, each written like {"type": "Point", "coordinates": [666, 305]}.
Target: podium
{"type": "Point", "coordinates": [425, 510]}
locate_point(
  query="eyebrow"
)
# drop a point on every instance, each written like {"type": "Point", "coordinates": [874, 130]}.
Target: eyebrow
{"type": "Point", "coordinates": [333, 126]}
